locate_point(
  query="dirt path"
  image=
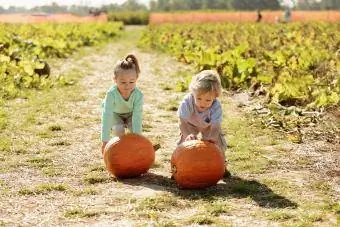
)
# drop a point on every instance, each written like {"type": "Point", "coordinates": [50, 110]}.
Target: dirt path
{"type": "Point", "coordinates": [53, 172]}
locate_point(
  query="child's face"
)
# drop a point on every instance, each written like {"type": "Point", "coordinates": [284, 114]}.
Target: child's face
{"type": "Point", "coordinates": [204, 101]}
{"type": "Point", "coordinates": [126, 82]}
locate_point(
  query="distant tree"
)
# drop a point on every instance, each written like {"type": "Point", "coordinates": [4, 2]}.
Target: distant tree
{"type": "Point", "coordinates": [153, 5]}
{"type": "Point", "coordinates": [133, 5]}
{"type": "Point", "coordinates": [331, 4]}
{"type": "Point", "coordinates": [168, 5]}
{"type": "Point", "coordinates": [13, 9]}
{"type": "Point", "coordinates": [112, 7]}
{"type": "Point", "coordinates": [255, 4]}
{"type": "Point", "coordinates": [319, 5]}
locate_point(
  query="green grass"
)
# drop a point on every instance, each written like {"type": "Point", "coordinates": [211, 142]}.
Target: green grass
{"type": "Point", "coordinates": [165, 87]}
{"type": "Point", "coordinates": [78, 212]}
{"type": "Point", "coordinates": [96, 178]}
{"type": "Point", "coordinates": [184, 79]}
{"type": "Point", "coordinates": [52, 171]}
{"type": "Point", "coordinates": [40, 162]}
{"type": "Point", "coordinates": [5, 145]}
{"type": "Point", "coordinates": [201, 219]}
{"type": "Point", "coordinates": [43, 189]}
{"type": "Point", "coordinates": [98, 167]}
{"type": "Point", "coordinates": [45, 135]}
{"type": "Point", "coordinates": [158, 203]}
{"type": "Point", "coordinates": [323, 187]}
{"type": "Point", "coordinates": [280, 215]}
{"type": "Point", "coordinates": [154, 208]}
{"type": "Point", "coordinates": [85, 191]}
{"type": "Point", "coordinates": [60, 142]}
{"type": "Point", "coordinates": [147, 127]}
{"type": "Point", "coordinates": [54, 128]}
{"type": "Point", "coordinates": [217, 208]}
{"type": "Point", "coordinates": [170, 105]}
{"type": "Point", "coordinates": [3, 118]}
{"type": "Point", "coordinates": [4, 189]}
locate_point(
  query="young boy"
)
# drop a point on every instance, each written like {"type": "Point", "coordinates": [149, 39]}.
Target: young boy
{"type": "Point", "coordinates": [201, 112]}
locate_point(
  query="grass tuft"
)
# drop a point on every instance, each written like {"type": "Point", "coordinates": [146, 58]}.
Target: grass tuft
{"type": "Point", "coordinates": [43, 189]}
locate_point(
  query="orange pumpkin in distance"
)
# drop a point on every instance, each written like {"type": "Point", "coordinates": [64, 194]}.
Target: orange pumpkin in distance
{"type": "Point", "coordinates": [197, 164]}
{"type": "Point", "coordinates": [129, 156]}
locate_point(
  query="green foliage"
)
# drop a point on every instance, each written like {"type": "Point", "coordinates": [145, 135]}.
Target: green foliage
{"type": "Point", "coordinates": [297, 64]}
{"type": "Point", "coordinates": [130, 18]}
{"type": "Point", "coordinates": [183, 84]}
{"type": "Point", "coordinates": [22, 46]}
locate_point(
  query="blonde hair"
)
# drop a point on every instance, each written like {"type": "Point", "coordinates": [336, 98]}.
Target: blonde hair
{"type": "Point", "coordinates": [130, 62]}
{"type": "Point", "coordinates": [206, 81]}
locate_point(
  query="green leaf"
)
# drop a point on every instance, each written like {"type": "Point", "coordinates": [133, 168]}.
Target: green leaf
{"type": "Point", "coordinates": [28, 69]}
{"type": "Point", "coordinates": [4, 58]}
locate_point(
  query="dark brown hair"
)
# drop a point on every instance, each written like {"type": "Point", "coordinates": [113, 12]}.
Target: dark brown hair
{"type": "Point", "coordinates": [130, 62]}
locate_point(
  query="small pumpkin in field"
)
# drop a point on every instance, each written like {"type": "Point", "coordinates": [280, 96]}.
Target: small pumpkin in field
{"type": "Point", "coordinates": [129, 156]}
{"type": "Point", "coordinates": [197, 164]}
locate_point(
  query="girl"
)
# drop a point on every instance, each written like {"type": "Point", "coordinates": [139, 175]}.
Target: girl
{"type": "Point", "coordinates": [201, 112]}
{"type": "Point", "coordinates": [123, 103]}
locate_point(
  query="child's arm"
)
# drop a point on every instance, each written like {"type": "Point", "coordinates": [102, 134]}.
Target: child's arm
{"type": "Point", "coordinates": [103, 146]}
{"type": "Point", "coordinates": [188, 131]}
{"type": "Point", "coordinates": [107, 117]}
{"type": "Point", "coordinates": [137, 113]}
{"type": "Point", "coordinates": [213, 131]}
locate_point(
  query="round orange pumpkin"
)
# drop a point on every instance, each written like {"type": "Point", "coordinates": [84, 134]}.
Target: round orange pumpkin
{"type": "Point", "coordinates": [129, 156]}
{"type": "Point", "coordinates": [197, 164]}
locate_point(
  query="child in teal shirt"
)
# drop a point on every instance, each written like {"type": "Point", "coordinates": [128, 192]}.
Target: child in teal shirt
{"type": "Point", "coordinates": [123, 103]}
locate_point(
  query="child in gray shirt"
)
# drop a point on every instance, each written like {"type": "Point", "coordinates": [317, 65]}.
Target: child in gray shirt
{"type": "Point", "coordinates": [201, 112]}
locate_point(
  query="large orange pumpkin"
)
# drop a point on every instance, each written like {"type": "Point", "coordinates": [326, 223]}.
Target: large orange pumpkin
{"type": "Point", "coordinates": [197, 164]}
{"type": "Point", "coordinates": [129, 156]}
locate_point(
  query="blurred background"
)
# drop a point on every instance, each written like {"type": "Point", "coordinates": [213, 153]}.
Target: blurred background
{"type": "Point", "coordinates": [155, 11]}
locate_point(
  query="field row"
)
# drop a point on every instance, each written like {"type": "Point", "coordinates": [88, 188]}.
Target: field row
{"type": "Point", "coordinates": [25, 48]}
{"type": "Point", "coordinates": [295, 66]}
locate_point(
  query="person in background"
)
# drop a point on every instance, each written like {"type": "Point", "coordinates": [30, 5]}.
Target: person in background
{"type": "Point", "coordinates": [259, 15]}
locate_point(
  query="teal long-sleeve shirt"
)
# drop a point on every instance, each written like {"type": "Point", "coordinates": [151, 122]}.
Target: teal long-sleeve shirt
{"type": "Point", "coordinates": [115, 103]}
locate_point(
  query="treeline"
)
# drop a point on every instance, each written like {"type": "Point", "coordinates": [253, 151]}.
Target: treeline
{"type": "Point", "coordinates": [173, 5]}
{"type": "Point", "coordinates": [129, 5]}
{"type": "Point", "coordinates": [165, 5]}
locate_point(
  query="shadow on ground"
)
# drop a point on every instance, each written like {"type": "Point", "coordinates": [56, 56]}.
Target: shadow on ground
{"type": "Point", "coordinates": [233, 187]}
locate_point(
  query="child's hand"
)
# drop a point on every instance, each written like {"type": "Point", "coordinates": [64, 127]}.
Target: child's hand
{"type": "Point", "coordinates": [103, 147]}
{"type": "Point", "coordinates": [191, 137]}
